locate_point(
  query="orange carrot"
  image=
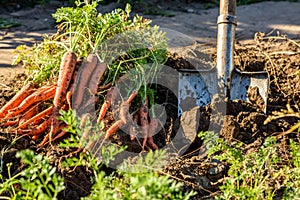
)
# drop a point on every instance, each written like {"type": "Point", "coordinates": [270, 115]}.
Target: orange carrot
{"type": "Point", "coordinates": [125, 105]}
{"type": "Point", "coordinates": [35, 137]}
{"type": "Point", "coordinates": [36, 118]}
{"type": "Point", "coordinates": [111, 96]}
{"type": "Point", "coordinates": [41, 128]}
{"type": "Point", "coordinates": [11, 123]}
{"type": "Point", "coordinates": [17, 99]}
{"type": "Point", "coordinates": [86, 72]}
{"type": "Point", "coordinates": [30, 100]}
{"type": "Point", "coordinates": [67, 67]}
{"type": "Point", "coordinates": [29, 114]}
{"type": "Point", "coordinates": [118, 124]}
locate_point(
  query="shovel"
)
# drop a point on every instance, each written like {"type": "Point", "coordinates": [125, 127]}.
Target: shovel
{"type": "Point", "coordinates": [197, 86]}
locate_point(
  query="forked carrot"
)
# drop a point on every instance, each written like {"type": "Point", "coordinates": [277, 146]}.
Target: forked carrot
{"type": "Point", "coordinates": [125, 105]}
{"type": "Point", "coordinates": [67, 68]}
{"type": "Point", "coordinates": [83, 78]}
{"type": "Point", "coordinates": [37, 117]}
{"type": "Point", "coordinates": [17, 99]}
{"type": "Point", "coordinates": [124, 115]}
{"type": "Point", "coordinates": [111, 96]}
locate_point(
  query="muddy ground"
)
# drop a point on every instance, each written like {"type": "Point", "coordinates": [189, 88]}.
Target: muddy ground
{"type": "Point", "coordinates": [244, 121]}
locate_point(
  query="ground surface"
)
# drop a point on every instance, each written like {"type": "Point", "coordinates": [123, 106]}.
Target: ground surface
{"type": "Point", "coordinates": [244, 120]}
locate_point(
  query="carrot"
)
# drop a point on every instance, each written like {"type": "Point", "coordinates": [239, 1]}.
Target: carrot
{"type": "Point", "coordinates": [41, 128]}
{"type": "Point", "coordinates": [132, 131]}
{"type": "Point", "coordinates": [118, 124]}
{"type": "Point", "coordinates": [11, 123]}
{"type": "Point", "coordinates": [84, 76]}
{"type": "Point", "coordinates": [111, 96]}
{"type": "Point", "coordinates": [35, 137]}
{"type": "Point", "coordinates": [124, 115]}
{"type": "Point", "coordinates": [152, 131]}
{"type": "Point", "coordinates": [29, 114]}
{"type": "Point", "coordinates": [30, 100]}
{"type": "Point", "coordinates": [67, 67]}
{"type": "Point", "coordinates": [36, 118]}
{"type": "Point", "coordinates": [124, 111]}
{"type": "Point", "coordinates": [72, 84]}
{"type": "Point", "coordinates": [17, 99]}
{"type": "Point", "coordinates": [143, 112]}
{"type": "Point", "coordinates": [96, 76]}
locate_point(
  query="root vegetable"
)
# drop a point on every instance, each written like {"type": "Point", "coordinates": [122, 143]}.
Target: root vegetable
{"type": "Point", "coordinates": [143, 112]}
{"type": "Point", "coordinates": [67, 68]}
{"type": "Point", "coordinates": [41, 128]}
{"type": "Point", "coordinates": [29, 114]}
{"type": "Point", "coordinates": [151, 131]}
{"type": "Point", "coordinates": [17, 99]}
{"type": "Point", "coordinates": [86, 72]}
{"type": "Point", "coordinates": [36, 118]}
{"type": "Point", "coordinates": [37, 96]}
{"type": "Point", "coordinates": [124, 115]}
{"type": "Point", "coordinates": [109, 99]}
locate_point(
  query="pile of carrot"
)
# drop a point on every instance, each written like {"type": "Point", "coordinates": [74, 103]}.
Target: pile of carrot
{"type": "Point", "coordinates": [34, 110]}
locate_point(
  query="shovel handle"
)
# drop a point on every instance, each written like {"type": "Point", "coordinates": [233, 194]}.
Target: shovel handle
{"type": "Point", "coordinates": [227, 7]}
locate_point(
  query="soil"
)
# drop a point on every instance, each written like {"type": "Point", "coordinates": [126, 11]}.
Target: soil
{"type": "Point", "coordinates": [243, 121]}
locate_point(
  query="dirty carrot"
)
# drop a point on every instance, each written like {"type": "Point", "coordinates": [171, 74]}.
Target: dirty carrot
{"type": "Point", "coordinates": [124, 111]}
{"type": "Point", "coordinates": [153, 125]}
{"type": "Point", "coordinates": [85, 74]}
{"type": "Point", "coordinates": [132, 131]}
{"type": "Point", "coordinates": [29, 114]}
{"type": "Point", "coordinates": [36, 118]}
{"type": "Point", "coordinates": [67, 68]}
{"type": "Point", "coordinates": [124, 115]}
{"type": "Point", "coordinates": [41, 128]}
{"type": "Point", "coordinates": [113, 128]}
{"type": "Point", "coordinates": [17, 99]}
{"type": "Point", "coordinates": [30, 100]}
{"type": "Point", "coordinates": [111, 96]}
{"type": "Point", "coordinates": [144, 121]}
{"type": "Point", "coordinates": [11, 122]}
{"type": "Point", "coordinates": [70, 90]}
{"type": "Point", "coordinates": [96, 76]}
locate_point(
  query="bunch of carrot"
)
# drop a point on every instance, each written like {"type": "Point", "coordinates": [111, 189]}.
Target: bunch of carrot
{"type": "Point", "coordinates": [25, 110]}
{"type": "Point", "coordinates": [34, 111]}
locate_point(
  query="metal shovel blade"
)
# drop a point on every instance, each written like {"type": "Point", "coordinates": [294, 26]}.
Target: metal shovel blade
{"type": "Point", "coordinates": [196, 87]}
{"type": "Point", "coordinates": [251, 87]}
